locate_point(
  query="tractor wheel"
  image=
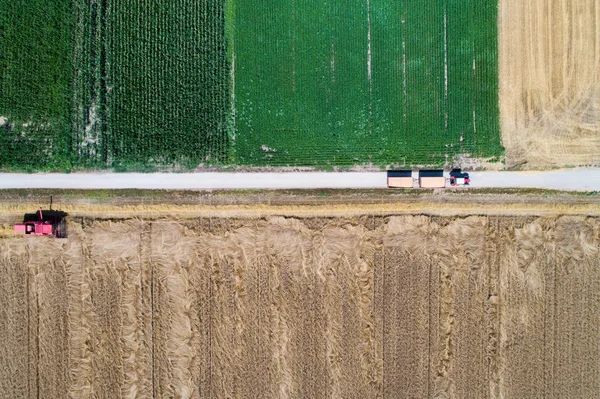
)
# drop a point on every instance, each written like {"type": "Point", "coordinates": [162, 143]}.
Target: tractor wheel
{"type": "Point", "coordinates": [61, 229]}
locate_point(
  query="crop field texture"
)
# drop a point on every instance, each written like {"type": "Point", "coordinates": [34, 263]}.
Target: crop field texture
{"type": "Point", "coordinates": [169, 73]}
{"type": "Point", "coordinates": [365, 81]}
{"type": "Point", "coordinates": [366, 307]}
{"type": "Point", "coordinates": [112, 83]}
{"type": "Point", "coordinates": [550, 82]}
{"type": "Point", "coordinates": [36, 83]}
{"type": "Point", "coordinates": [176, 84]}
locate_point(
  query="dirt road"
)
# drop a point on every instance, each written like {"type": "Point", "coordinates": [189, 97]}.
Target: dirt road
{"type": "Point", "coordinates": [573, 179]}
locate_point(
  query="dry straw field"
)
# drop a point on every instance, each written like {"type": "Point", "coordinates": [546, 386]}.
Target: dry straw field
{"type": "Point", "coordinates": [367, 307]}
{"type": "Point", "coordinates": [549, 68]}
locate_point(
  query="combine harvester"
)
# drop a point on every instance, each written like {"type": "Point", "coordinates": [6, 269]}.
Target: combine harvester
{"type": "Point", "coordinates": [44, 223]}
{"type": "Point", "coordinates": [426, 179]}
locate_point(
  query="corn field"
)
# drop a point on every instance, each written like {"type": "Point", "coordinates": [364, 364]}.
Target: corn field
{"type": "Point", "coordinates": [35, 84]}
{"type": "Point", "coordinates": [151, 84]}
{"type": "Point", "coordinates": [152, 88]}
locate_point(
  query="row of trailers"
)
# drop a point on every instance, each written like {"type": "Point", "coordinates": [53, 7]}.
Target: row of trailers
{"type": "Point", "coordinates": [426, 179]}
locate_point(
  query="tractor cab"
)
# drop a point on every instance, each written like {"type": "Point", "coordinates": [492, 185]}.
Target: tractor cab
{"type": "Point", "coordinates": [459, 178]}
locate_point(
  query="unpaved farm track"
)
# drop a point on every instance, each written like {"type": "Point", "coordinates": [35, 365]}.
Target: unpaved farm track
{"type": "Point", "coordinates": [568, 179]}
{"type": "Point", "coordinates": [304, 307]}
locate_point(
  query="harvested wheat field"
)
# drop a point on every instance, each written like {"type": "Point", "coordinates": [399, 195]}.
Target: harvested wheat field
{"type": "Point", "coordinates": [549, 68]}
{"type": "Point", "coordinates": [368, 307]}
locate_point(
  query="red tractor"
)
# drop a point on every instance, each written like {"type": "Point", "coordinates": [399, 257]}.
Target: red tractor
{"type": "Point", "coordinates": [44, 223]}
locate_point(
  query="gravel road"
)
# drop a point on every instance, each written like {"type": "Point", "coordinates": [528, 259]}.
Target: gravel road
{"type": "Point", "coordinates": [572, 179]}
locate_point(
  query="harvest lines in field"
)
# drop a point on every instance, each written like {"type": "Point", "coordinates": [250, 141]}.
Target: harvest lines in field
{"type": "Point", "coordinates": [550, 74]}
{"type": "Point", "coordinates": [361, 307]}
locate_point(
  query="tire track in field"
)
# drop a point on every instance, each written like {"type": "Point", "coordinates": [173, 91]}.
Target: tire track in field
{"type": "Point", "coordinates": [576, 364]}
{"type": "Point", "coordinates": [48, 270]}
{"type": "Point", "coordinates": [408, 248]}
{"type": "Point", "coordinates": [18, 371]}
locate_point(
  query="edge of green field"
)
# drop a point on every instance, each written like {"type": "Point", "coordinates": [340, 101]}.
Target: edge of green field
{"type": "Point", "coordinates": [160, 86]}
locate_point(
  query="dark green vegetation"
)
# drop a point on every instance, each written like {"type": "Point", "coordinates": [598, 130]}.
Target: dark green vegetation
{"type": "Point", "coordinates": [113, 83]}
{"type": "Point", "coordinates": [151, 83]}
{"type": "Point", "coordinates": [36, 83]}
{"type": "Point", "coordinates": [170, 97]}
{"type": "Point", "coordinates": [145, 84]}
{"type": "Point", "coordinates": [379, 81]}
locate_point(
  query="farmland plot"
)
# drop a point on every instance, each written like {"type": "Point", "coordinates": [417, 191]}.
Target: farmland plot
{"type": "Point", "coordinates": [144, 84]}
{"type": "Point", "coordinates": [151, 83]}
{"type": "Point", "coordinates": [36, 84]}
{"type": "Point", "coordinates": [111, 83]}
{"type": "Point", "coordinates": [366, 307]}
{"type": "Point", "coordinates": [326, 83]}
{"type": "Point", "coordinates": [140, 85]}
{"type": "Point", "coordinates": [549, 67]}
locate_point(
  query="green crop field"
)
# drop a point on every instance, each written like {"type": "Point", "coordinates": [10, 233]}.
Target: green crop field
{"type": "Point", "coordinates": [36, 83]}
{"type": "Point", "coordinates": [148, 84]}
{"type": "Point", "coordinates": [113, 83]}
{"type": "Point", "coordinates": [380, 81]}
